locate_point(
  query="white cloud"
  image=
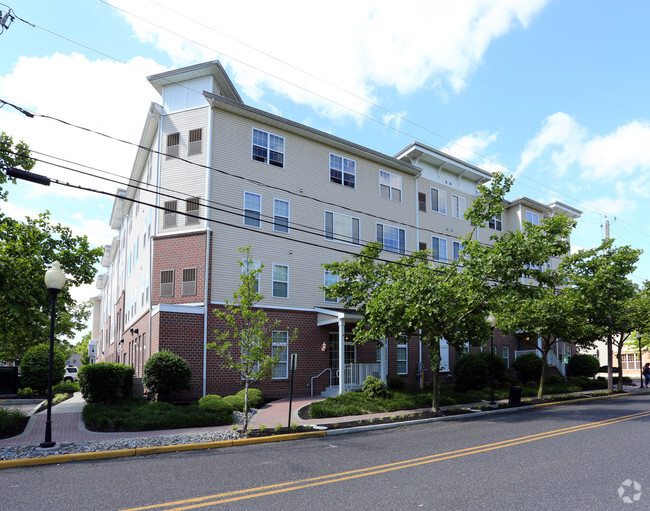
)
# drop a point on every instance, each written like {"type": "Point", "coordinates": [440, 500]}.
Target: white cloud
{"type": "Point", "coordinates": [335, 47]}
{"type": "Point", "coordinates": [394, 119]}
{"type": "Point", "coordinates": [101, 95]}
{"type": "Point", "coordinates": [471, 148]}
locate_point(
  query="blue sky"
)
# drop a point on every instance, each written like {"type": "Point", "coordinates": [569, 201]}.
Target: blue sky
{"type": "Point", "coordinates": [554, 92]}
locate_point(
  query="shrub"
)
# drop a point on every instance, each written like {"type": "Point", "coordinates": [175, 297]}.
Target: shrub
{"type": "Point", "coordinates": [26, 392]}
{"type": "Point", "coordinates": [499, 367]}
{"type": "Point", "coordinates": [374, 387]}
{"type": "Point", "coordinates": [583, 365]}
{"type": "Point", "coordinates": [105, 382]}
{"type": "Point", "coordinates": [237, 402]}
{"type": "Point", "coordinates": [66, 387]}
{"type": "Point", "coordinates": [255, 398]}
{"type": "Point", "coordinates": [166, 373]}
{"type": "Point", "coordinates": [216, 405]}
{"type": "Point", "coordinates": [555, 379]}
{"type": "Point", "coordinates": [579, 381]}
{"type": "Point", "coordinates": [470, 371]}
{"type": "Point", "coordinates": [34, 367]}
{"type": "Point", "coordinates": [528, 367]}
{"type": "Point", "coordinates": [396, 383]}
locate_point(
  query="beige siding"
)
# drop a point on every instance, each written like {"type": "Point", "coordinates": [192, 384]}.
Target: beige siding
{"type": "Point", "coordinates": [304, 182]}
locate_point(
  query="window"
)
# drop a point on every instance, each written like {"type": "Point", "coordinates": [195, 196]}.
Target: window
{"type": "Point", "coordinates": [505, 355]}
{"type": "Point", "coordinates": [439, 249]}
{"type": "Point", "coordinates": [531, 217]}
{"type": "Point", "coordinates": [422, 245]}
{"type": "Point", "coordinates": [173, 145]}
{"type": "Point", "coordinates": [196, 139]}
{"type": "Point", "coordinates": [439, 201]}
{"type": "Point", "coordinates": [390, 185]}
{"type": "Point", "coordinates": [630, 361]}
{"type": "Point", "coordinates": [167, 283]}
{"type": "Point", "coordinates": [280, 342]}
{"type": "Point", "coordinates": [402, 354]}
{"type": "Point", "coordinates": [280, 215]}
{"type": "Point", "coordinates": [330, 278]}
{"type": "Point", "coordinates": [341, 228]}
{"type": "Point", "coordinates": [280, 281]}
{"type": "Point", "coordinates": [252, 209]}
{"type": "Point", "coordinates": [392, 238]}
{"type": "Point", "coordinates": [422, 201]}
{"type": "Point", "coordinates": [189, 282]}
{"type": "Point", "coordinates": [268, 148]}
{"type": "Point", "coordinates": [496, 223]}
{"type": "Point", "coordinates": [457, 248]}
{"type": "Point", "coordinates": [249, 266]}
{"type": "Point", "coordinates": [169, 216]}
{"type": "Point", "coordinates": [192, 210]}
{"type": "Point", "coordinates": [342, 171]}
{"type": "Point", "coordinates": [458, 206]}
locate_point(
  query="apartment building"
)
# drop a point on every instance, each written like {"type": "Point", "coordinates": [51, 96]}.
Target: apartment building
{"type": "Point", "coordinates": [213, 175]}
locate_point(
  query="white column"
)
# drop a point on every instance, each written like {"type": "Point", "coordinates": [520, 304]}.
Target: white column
{"type": "Point", "coordinates": [341, 356]}
{"type": "Point", "coordinates": [384, 361]}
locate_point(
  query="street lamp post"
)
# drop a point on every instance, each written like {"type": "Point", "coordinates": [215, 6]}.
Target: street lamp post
{"type": "Point", "coordinates": [54, 281]}
{"type": "Point", "coordinates": [492, 322]}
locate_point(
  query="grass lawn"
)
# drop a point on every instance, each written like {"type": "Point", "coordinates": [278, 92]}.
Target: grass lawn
{"type": "Point", "coordinates": [143, 415]}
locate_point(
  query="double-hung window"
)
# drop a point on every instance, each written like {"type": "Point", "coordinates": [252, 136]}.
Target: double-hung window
{"type": "Point", "coordinates": [457, 248]}
{"type": "Point", "coordinates": [342, 171]}
{"type": "Point", "coordinates": [458, 206]}
{"type": "Point", "coordinates": [329, 278]}
{"type": "Point", "coordinates": [252, 209]}
{"type": "Point", "coordinates": [496, 223]}
{"type": "Point", "coordinates": [280, 281]}
{"type": "Point", "coordinates": [268, 148]}
{"type": "Point", "coordinates": [392, 238]}
{"type": "Point", "coordinates": [280, 215]}
{"type": "Point", "coordinates": [248, 266]}
{"type": "Point", "coordinates": [402, 354]}
{"type": "Point", "coordinates": [422, 202]}
{"type": "Point", "coordinates": [390, 185]}
{"type": "Point", "coordinates": [439, 249]}
{"type": "Point", "coordinates": [439, 201]}
{"type": "Point", "coordinates": [280, 344]}
{"type": "Point", "coordinates": [341, 228]}
{"type": "Point", "coordinates": [533, 218]}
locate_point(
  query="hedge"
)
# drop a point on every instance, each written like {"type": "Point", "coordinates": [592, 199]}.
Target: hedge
{"type": "Point", "coordinates": [105, 382]}
{"type": "Point", "coordinates": [34, 367]}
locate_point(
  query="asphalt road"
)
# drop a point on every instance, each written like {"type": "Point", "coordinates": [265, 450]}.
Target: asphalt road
{"type": "Point", "coordinates": [572, 457]}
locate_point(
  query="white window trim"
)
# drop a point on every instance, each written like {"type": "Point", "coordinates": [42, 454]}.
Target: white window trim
{"type": "Point", "coordinates": [325, 284]}
{"type": "Point", "coordinates": [343, 172]}
{"type": "Point", "coordinates": [285, 362]}
{"type": "Point", "coordinates": [384, 226]}
{"type": "Point", "coordinates": [256, 266]}
{"type": "Point", "coordinates": [460, 211]}
{"type": "Point", "coordinates": [455, 256]}
{"type": "Point", "coordinates": [273, 281]}
{"type": "Point", "coordinates": [438, 255]}
{"type": "Point", "coordinates": [334, 234]}
{"type": "Point", "coordinates": [405, 347]}
{"type": "Point", "coordinates": [288, 217]}
{"type": "Point", "coordinates": [497, 223]}
{"type": "Point", "coordinates": [267, 160]}
{"type": "Point", "coordinates": [259, 212]}
{"type": "Point", "coordinates": [442, 199]}
{"type": "Point", "coordinates": [391, 177]}
{"type": "Point", "coordinates": [533, 216]}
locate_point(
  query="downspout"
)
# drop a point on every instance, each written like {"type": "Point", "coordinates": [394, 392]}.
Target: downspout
{"type": "Point", "coordinates": [155, 228]}
{"type": "Point", "coordinates": [341, 356]}
{"type": "Point", "coordinates": [206, 279]}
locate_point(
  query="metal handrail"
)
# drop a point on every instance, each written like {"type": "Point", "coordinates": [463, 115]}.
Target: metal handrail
{"type": "Point", "coordinates": [317, 376]}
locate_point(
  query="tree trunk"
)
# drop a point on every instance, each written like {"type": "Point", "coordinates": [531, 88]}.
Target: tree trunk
{"type": "Point", "coordinates": [619, 352]}
{"type": "Point", "coordinates": [246, 407]}
{"type": "Point", "coordinates": [434, 355]}
{"type": "Point", "coordinates": [544, 351]}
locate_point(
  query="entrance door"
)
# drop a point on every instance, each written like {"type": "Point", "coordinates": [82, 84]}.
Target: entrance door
{"type": "Point", "coordinates": [350, 354]}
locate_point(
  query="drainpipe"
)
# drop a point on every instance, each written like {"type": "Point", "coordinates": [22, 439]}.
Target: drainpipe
{"type": "Point", "coordinates": [206, 278]}
{"type": "Point", "coordinates": [341, 356]}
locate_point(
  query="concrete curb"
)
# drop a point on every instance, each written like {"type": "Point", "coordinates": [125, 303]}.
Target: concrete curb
{"type": "Point", "coordinates": [145, 451]}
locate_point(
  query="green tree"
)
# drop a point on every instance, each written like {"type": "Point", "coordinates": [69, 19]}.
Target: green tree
{"type": "Point", "coordinates": [27, 249]}
{"type": "Point", "coordinates": [81, 347]}
{"type": "Point", "coordinates": [245, 345]}
{"type": "Point", "coordinates": [600, 278]}
{"type": "Point", "coordinates": [449, 301]}
{"type": "Point", "coordinates": [35, 367]}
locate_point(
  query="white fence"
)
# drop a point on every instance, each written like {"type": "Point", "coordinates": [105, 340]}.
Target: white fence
{"type": "Point", "coordinates": [355, 374]}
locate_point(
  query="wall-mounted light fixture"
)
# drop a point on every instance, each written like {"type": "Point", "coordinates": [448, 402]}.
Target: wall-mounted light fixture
{"type": "Point", "coordinates": [323, 346]}
{"type": "Point", "coordinates": [134, 331]}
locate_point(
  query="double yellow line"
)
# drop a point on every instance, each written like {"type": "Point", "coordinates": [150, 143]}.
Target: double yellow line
{"type": "Point", "coordinates": [261, 491]}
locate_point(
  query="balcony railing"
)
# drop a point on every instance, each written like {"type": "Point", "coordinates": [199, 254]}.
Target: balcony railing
{"type": "Point", "coordinates": [355, 374]}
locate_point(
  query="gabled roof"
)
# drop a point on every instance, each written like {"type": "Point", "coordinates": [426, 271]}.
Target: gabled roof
{"type": "Point", "coordinates": [184, 74]}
